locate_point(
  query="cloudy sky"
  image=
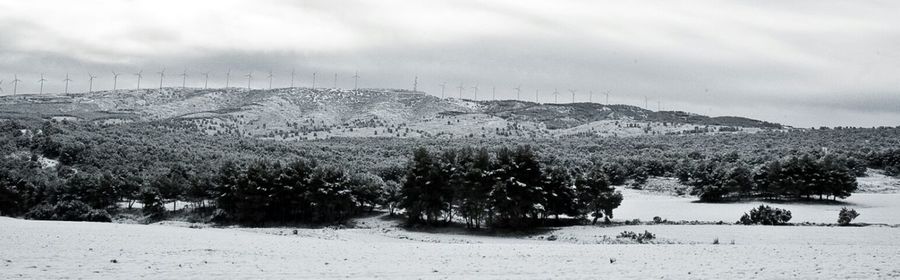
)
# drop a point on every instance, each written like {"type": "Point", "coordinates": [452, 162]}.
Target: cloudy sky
{"type": "Point", "coordinates": [801, 63]}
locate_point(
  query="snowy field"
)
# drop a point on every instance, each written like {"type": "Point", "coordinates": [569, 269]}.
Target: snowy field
{"type": "Point", "coordinates": [874, 208]}
{"type": "Point", "coordinates": [376, 248]}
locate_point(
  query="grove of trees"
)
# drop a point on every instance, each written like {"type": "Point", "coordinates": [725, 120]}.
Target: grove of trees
{"type": "Point", "coordinates": [509, 188]}
{"type": "Point", "coordinates": [95, 168]}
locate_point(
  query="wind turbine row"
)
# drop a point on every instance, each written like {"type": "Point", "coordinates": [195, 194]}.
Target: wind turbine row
{"type": "Point", "coordinates": [271, 75]}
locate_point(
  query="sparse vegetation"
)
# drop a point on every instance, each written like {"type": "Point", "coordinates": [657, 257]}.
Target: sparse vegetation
{"type": "Point", "coordinates": [766, 215]}
{"type": "Point", "coordinates": [846, 216]}
{"type": "Point", "coordinates": [646, 236]}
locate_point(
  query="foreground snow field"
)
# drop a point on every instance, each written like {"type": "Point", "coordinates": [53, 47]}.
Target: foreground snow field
{"type": "Point", "coordinates": [377, 249]}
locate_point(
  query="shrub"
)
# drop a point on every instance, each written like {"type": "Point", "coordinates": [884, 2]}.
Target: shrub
{"type": "Point", "coordinates": [639, 237]}
{"type": "Point", "coordinates": [766, 215]}
{"type": "Point", "coordinates": [846, 216]}
{"type": "Point", "coordinates": [68, 210]}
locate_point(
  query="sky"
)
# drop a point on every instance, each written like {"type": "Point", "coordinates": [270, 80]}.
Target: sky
{"type": "Point", "coordinates": [802, 63]}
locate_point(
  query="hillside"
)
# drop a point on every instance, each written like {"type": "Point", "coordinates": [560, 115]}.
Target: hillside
{"type": "Point", "coordinates": [303, 113]}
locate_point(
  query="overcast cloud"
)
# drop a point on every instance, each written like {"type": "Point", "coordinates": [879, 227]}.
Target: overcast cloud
{"type": "Point", "coordinates": [802, 63]}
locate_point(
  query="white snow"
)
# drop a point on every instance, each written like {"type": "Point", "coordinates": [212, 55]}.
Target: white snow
{"type": "Point", "coordinates": [379, 249]}
{"type": "Point", "coordinates": [873, 208]}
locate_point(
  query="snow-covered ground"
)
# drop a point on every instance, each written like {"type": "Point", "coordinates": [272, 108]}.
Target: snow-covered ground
{"type": "Point", "coordinates": [379, 249]}
{"type": "Point", "coordinates": [873, 208]}
{"type": "Point", "coordinates": [376, 247]}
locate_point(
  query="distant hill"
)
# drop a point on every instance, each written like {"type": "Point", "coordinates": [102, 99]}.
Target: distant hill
{"type": "Point", "coordinates": [304, 113]}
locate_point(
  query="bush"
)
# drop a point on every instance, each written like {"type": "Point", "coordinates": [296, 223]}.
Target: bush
{"type": "Point", "coordinates": [69, 210]}
{"type": "Point", "coordinates": [639, 237]}
{"type": "Point", "coordinates": [846, 216]}
{"type": "Point", "coordinates": [766, 215]}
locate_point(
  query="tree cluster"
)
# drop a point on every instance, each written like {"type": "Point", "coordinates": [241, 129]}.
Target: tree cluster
{"type": "Point", "coordinates": [509, 188]}
{"type": "Point", "coordinates": [795, 177]}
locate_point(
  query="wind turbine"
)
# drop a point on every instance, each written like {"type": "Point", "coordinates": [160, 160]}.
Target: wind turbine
{"type": "Point", "coordinates": [356, 81]}
{"type": "Point", "coordinates": [67, 80]}
{"type": "Point", "coordinates": [536, 94]}
{"type": "Point", "coordinates": [555, 96]}
{"type": "Point", "coordinates": [607, 96]}
{"type": "Point", "coordinates": [205, 80]}
{"type": "Point", "coordinates": [183, 78]}
{"type": "Point", "coordinates": [249, 77]}
{"type": "Point", "coordinates": [314, 80]}
{"type": "Point", "coordinates": [15, 83]}
{"type": "Point", "coordinates": [227, 78]}
{"type": "Point", "coordinates": [573, 91]}
{"type": "Point", "coordinates": [115, 80]}
{"type": "Point", "coordinates": [475, 91]}
{"type": "Point", "coordinates": [645, 103]}
{"type": "Point", "coordinates": [270, 79]}
{"type": "Point", "coordinates": [443, 85]}
{"type": "Point", "coordinates": [139, 75]}
{"type": "Point", "coordinates": [460, 87]}
{"type": "Point", "coordinates": [493, 93]}
{"type": "Point", "coordinates": [335, 80]}
{"type": "Point", "coordinates": [293, 73]}
{"type": "Point", "coordinates": [91, 78]}
{"type": "Point", "coordinates": [590, 96]}
{"type": "Point", "coordinates": [162, 74]}
{"type": "Point", "coordinates": [1, 86]}
{"type": "Point", "coordinates": [42, 80]}
{"type": "Point", "coordinates": [518, 89]}
{"type": "Point", "coordinates": [416, 84]}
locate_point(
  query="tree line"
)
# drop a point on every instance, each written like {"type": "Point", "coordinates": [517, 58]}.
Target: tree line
{"type": "Point", "coordinates": [795, 177]}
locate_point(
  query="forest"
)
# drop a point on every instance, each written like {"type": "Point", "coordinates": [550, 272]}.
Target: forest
{"type": "Point", "coordinates": [83, 171]}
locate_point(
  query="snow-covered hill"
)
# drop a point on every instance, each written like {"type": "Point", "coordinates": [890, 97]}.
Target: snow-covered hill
{"type": "Point", "coordinates": [304, 113]}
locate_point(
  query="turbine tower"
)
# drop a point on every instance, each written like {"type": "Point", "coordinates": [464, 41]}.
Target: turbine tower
{"type": "Point", "coordinates": [493, 93]}
{"type": "Point", "coordinates": [607, 96]}
{"type": "Point", "coordinates": [356, 81]}
{"type": "Point", "coordinates": [536, 94]}
{"type": "Point", "coordinates": [518, 89]}
{"type": "Point", "coordinates": [293, 73]}
{"type": "Point", "coordinates": [475, 91]}
{"type": "Point", "coordinates": [555, 96]}
{"type": "Point", "coordinates": [15, 83]}
{"type": "Point", "coordinates": [227, 78]}
{"type": "Point", "coordinates": [416, 83]}
{"type": "Point", "coordinates": [205, 80]}
{"type": "Point", "coordinates": [249, 77]}
{"type": "Point", "coordinates": [270, 79]}
{"type": "Point", "coordinates": [573, 91]}
{"type": "Point", "coordinates": [335, 80]}
{"type": "Point", "coordinates": [67, 80]}
{"type": "Point", "coordinates": [140, 75]}
{"type": "Point", "coordinates": [1, 86]}
{"type": "Point", "coordinates": [460, 87]}
{"type": "Point", "coordinates": [91, 78]}
{"type": "Point", "coordinates": [314, 81]}
{"type": "Point", "coordinates": [115, 80]}
{"type": "Point", "coordinates": [183, 78]}
{"type": "Point", "coordinates": [162, 74]}
{"type": "Point", "coordinates": [443, 85]}
{"type": "Point", "coordinates": [590, 96]}
{"type": "Point", "coordinates": [42, 80]}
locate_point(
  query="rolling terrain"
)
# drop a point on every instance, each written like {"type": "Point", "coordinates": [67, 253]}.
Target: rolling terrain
{"type": "Point", "coordinates": [303, 113]}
